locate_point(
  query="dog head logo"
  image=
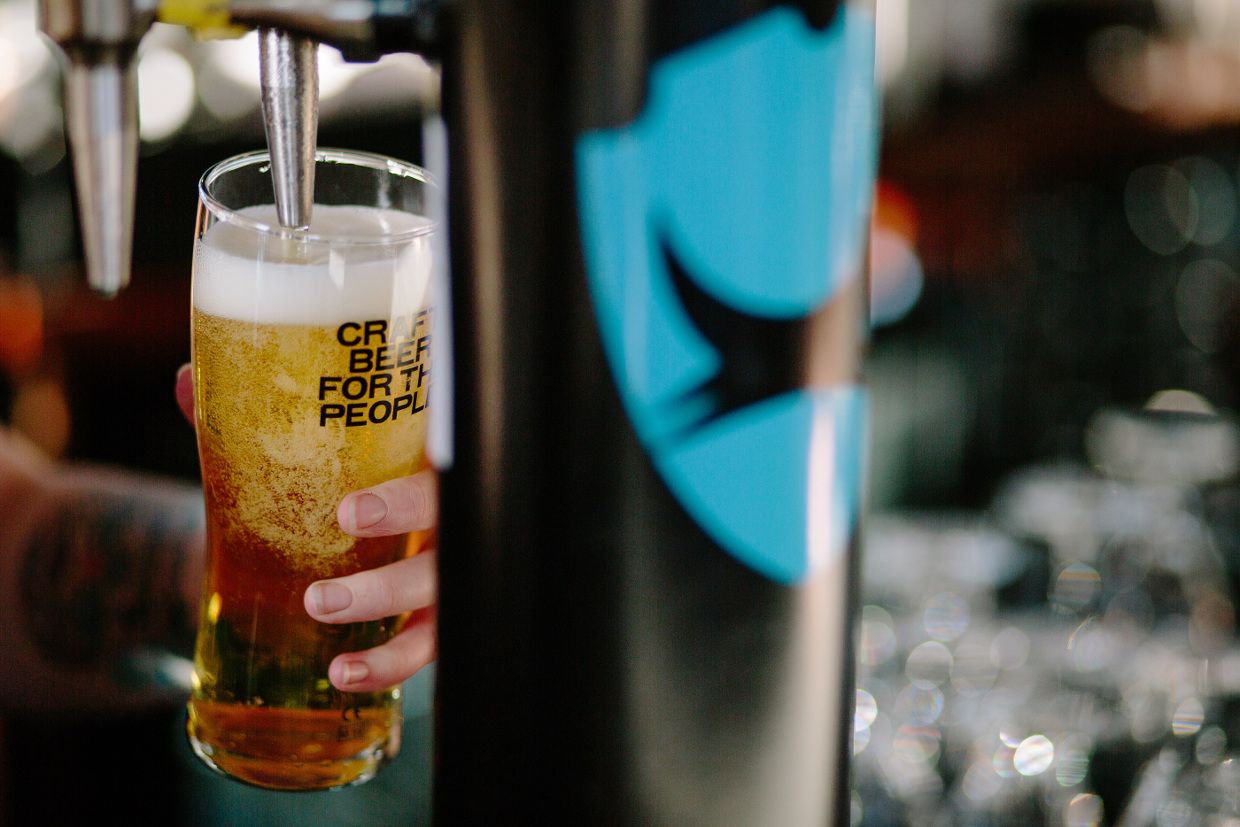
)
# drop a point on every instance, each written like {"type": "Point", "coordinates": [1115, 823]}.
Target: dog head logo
{"type": "Point", "coordinates": [721, 226]}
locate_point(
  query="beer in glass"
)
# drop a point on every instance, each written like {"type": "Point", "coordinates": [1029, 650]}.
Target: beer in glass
{"type": "Point", "coordinates": [311, 380]}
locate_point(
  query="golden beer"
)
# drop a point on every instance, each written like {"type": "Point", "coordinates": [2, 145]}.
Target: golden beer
{"type": "Point", "coordinates": [311, 378]}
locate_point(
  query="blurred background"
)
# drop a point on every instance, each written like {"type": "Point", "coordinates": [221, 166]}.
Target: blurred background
{"type": "Point", "coordinates": [1052, 564]}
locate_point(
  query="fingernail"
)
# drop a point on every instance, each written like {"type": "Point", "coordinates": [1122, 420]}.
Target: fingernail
{"type": "Point", "coordinates": [351, 672]}
{"type": "Point", "coordinates": [329, 597]}
{"type": "Point", "coordinates": [368, 510]}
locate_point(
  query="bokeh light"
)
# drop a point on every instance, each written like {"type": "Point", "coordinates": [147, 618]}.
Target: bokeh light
{"type": "Point", "coordinates": [1010, 648]}
{"type": "Point", "coordinates": [166, 95]}
{"type": "Point", "coordinates": [1084, 810]}
{"type": "Point", "coordinates": [918, 705]}
{"type": "Point", "coordinates": [1211, 745]}
{"type": "Point", "coordinates": [1216, 197]}
{"type": "Point", "coordinates": [946, 616]}
{"type": "Point", "coordinates": [929, 665]}
{"type": "Point", "coordinates": [1034, 756]}
{"type": "Point", "coordinates": [1072, 760]}
{"type": "Point", "coordinates": [917, 744]}
{"type": "Point", "coordinates": [1187, 718]}
{"type": "Point", "coordinates": [1076, 587]}
{"type": "Point", "coordinates": [981, 782]}
{"type": "Point", "coordinates": [1207, 298]}
{"type": "Point", "coordinates": [23, 53]}
{"type": "Point", "coordinates": [1162, 208]}
{"type": "Point", "coordinates": [877, 638]}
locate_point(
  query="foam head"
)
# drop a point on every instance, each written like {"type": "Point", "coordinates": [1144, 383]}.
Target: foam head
{"type": "Point", "coordinates": [354, 263]}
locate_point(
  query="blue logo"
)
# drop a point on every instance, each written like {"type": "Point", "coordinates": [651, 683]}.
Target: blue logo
{"type": "Point", "coordinates": [716, 226]}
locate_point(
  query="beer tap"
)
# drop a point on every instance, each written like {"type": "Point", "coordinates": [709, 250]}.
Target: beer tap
{"type": "Point", "coordinates": [289, 77]}
{"type": "Point", "coordinates": [99, 42]}
{"type": "Point", "coordinates": [288, 35]}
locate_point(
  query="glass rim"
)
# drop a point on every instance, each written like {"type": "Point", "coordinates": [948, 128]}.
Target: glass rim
{"type": "Point", "coordinates": [352, 157]}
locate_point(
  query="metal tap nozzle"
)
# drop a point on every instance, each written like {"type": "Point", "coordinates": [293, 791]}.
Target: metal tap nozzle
{"type": "Point", "coordinates": [98, 41]}
{"type": "Point", "coordinates": [290, 93]}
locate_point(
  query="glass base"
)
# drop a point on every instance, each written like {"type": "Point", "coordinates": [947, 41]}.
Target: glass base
{"type": "Point", "coordinates": [292, 750]}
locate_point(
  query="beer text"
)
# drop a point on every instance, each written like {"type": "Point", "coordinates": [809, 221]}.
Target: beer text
{"type": "Point", "coordinates": [388, 376]}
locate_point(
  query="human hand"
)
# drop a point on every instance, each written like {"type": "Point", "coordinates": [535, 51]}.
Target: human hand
{"type": "Point", "coordinates": [410, 585]}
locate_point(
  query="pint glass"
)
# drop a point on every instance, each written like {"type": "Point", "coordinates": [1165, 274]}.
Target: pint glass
{"type": "Point", "coordinates": [311, 380]}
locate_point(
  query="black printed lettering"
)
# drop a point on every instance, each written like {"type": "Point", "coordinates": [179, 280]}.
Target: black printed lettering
{"type": "Point", "coordinates": [388, 372]}
{"type": "Point", "coordinates": [402, 328]}
{"type": "Point", "coordinates": [405, 355]}
{"type": "Point", "coordinates": [330, 411]}
{"type": "Point", "coordinates": [347, 334]}
{"type": "Point", "coordinates": [380, 412]}
{"type": "Point", "coordinates": [380, 382]}
{"type": "Point", "coordinates": [383, 358]}
{"type": "Point", "coordinates": [327, 384]}
{"type": "Point", "coordinates": [361, 360]}
{"type": "Point", "coordinates": [376, 329]}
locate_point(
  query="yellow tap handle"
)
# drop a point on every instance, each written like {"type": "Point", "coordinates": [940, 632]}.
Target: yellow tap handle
{"type": "Point", "coordinates": [205, 18]}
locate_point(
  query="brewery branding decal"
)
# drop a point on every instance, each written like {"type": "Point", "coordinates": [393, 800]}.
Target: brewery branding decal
{"type": "Point", "coordinates": [388, 372]}
{"type": "Point", "coordinates": [718, 225]}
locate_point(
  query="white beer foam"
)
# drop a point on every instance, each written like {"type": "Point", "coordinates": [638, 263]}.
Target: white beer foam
{"type": "Point", "coordinates": [256, 277]}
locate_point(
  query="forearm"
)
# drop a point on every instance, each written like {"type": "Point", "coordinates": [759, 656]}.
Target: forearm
{"type": "Point", "coordinates": [98, 582]}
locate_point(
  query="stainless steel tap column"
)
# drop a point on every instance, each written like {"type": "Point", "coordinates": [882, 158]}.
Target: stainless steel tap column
{"type": "Point", "coordinates": [98, 42]}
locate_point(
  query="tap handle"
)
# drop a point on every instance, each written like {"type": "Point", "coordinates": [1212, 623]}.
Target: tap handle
{"type": "Point", "coordinates": [363, 30]}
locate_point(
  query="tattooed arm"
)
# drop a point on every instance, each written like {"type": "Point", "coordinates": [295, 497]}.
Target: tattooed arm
{"type": "Point", "coordinates": [99, 578]}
